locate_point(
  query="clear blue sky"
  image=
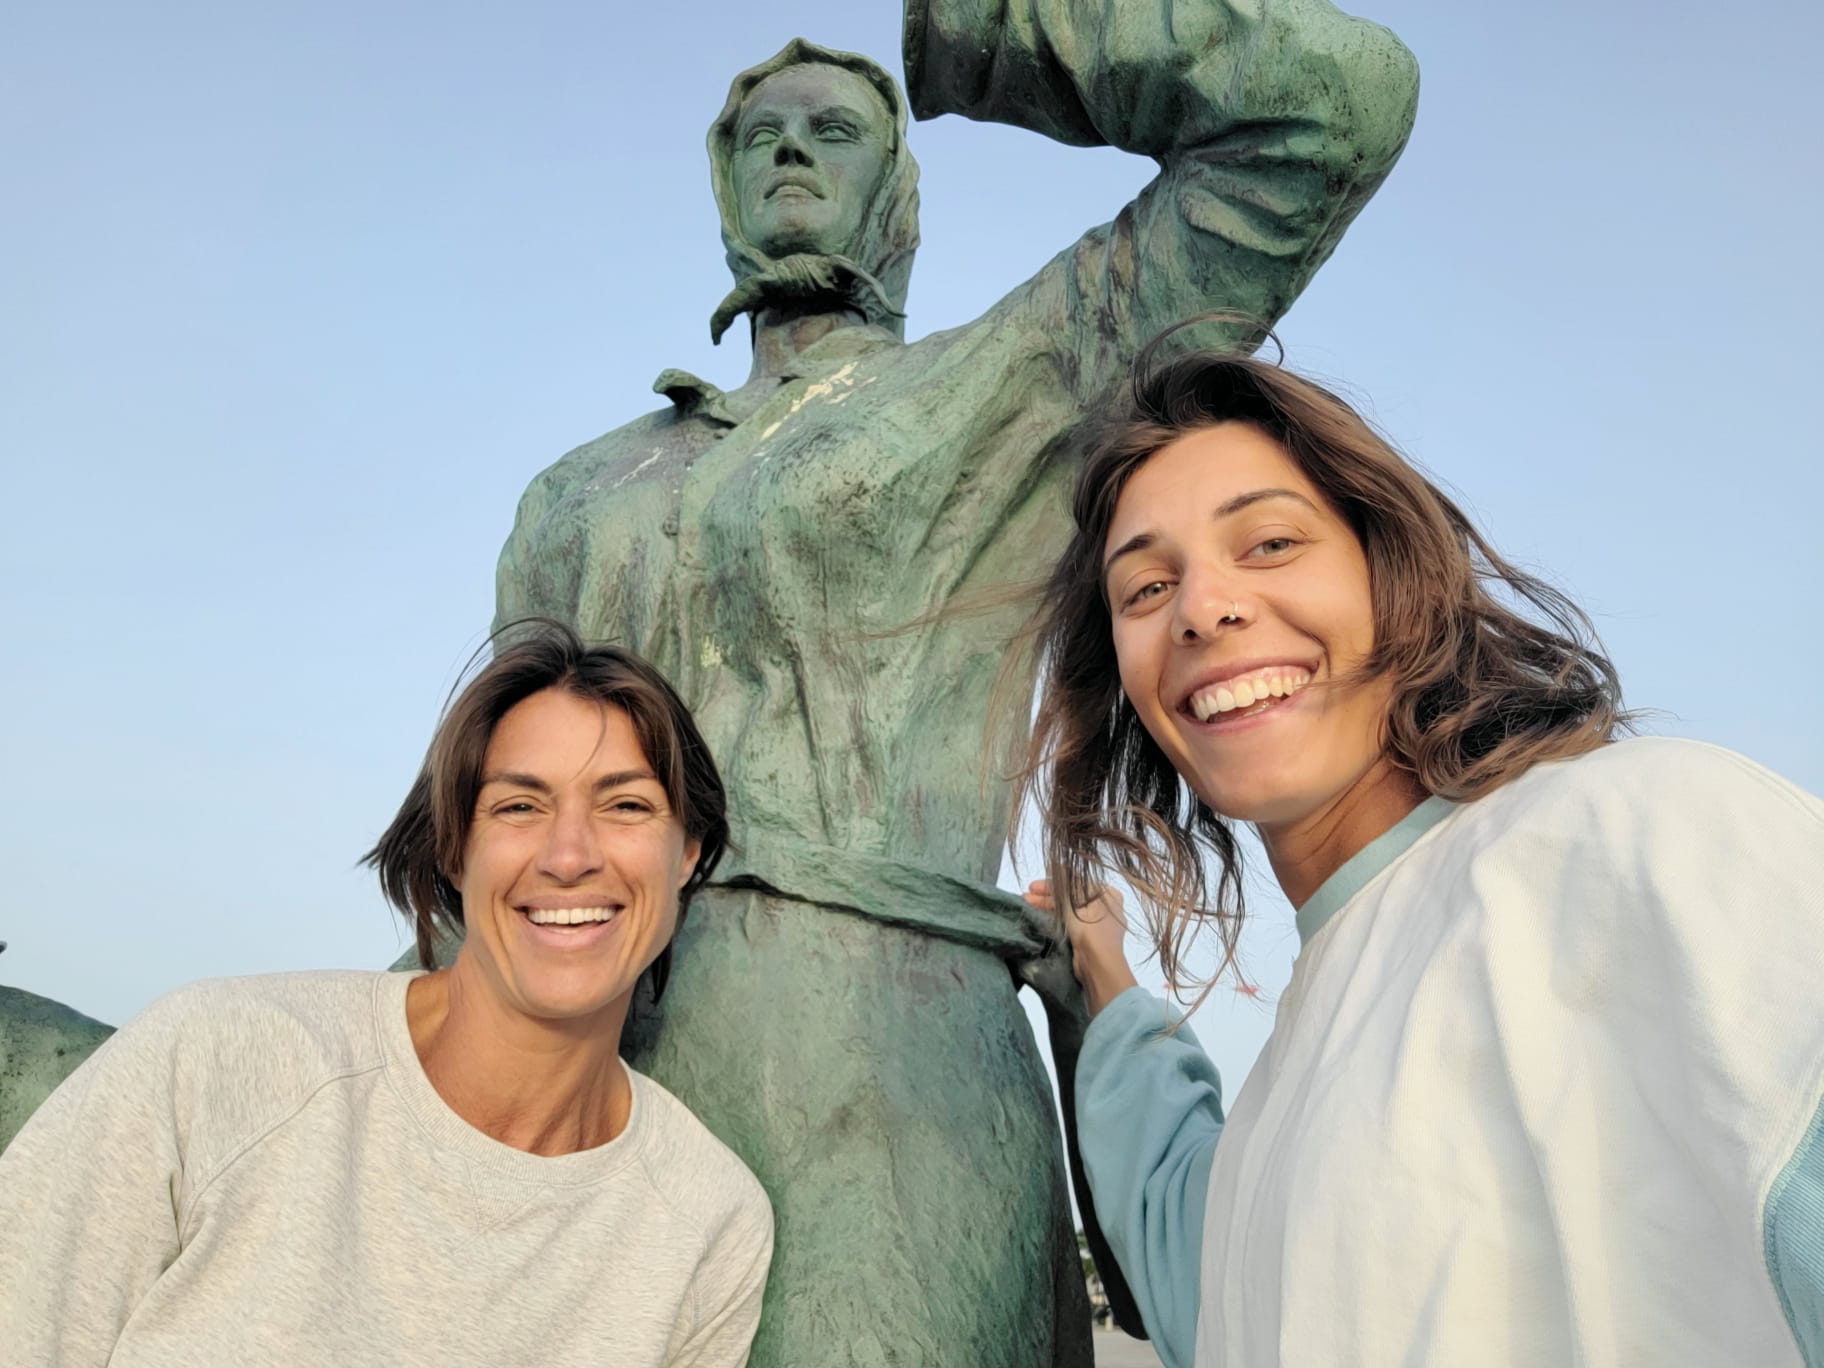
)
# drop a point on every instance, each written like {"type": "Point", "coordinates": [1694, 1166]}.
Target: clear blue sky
{"type": "Point", "coordinates": [295, 299]}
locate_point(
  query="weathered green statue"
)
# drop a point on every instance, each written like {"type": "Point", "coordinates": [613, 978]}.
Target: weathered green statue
{"type": "Point", "coordinates": [842, 1011]}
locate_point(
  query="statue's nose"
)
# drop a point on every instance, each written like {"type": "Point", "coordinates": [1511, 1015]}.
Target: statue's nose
{"type": "Point", "coordinates": [788, 151]}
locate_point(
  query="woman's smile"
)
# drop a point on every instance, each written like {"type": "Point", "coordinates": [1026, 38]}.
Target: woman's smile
{"type": "Point", "coordinates": [1244, 691]}
{"type": "Point", "coordinates": [570, 929]}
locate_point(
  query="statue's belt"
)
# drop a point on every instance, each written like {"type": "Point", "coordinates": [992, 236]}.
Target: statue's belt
{"type": "Point", "coordinates": [885, 890]}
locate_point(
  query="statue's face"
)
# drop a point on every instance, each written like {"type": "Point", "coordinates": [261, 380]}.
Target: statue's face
{"type": "Point", "coordinates": [811, 147]}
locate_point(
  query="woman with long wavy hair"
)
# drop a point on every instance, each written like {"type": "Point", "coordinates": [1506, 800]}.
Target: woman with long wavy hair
{"type": "Point", "coordinates": [1545, 1086]}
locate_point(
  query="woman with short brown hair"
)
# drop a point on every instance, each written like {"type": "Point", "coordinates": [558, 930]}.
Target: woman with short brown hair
{"type": "Point", "coordinates": [1545, 1087]}
{"type": "Point", "coordinates": [451, 1166]}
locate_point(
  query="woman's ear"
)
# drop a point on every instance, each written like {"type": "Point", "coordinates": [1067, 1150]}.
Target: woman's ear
{"type": "Point", "coordinates": [693, 851]}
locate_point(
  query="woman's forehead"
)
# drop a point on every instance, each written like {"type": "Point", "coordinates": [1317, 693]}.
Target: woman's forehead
{"type": "Point", "coordinates": [1201, 471]}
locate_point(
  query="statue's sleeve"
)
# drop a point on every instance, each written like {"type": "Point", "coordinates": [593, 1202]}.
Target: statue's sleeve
{"type": "Point", "coordinates": [1272, 123]}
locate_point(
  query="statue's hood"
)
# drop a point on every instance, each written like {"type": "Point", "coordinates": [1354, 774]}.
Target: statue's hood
{"type": "Point", "coordinates": [889, 234]}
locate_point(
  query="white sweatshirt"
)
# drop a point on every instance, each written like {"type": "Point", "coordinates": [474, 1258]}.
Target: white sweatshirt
{"type": "Point", "coordinates": [1547, 1087]}
{"type": "Point", "coordinates": [258, 1171]}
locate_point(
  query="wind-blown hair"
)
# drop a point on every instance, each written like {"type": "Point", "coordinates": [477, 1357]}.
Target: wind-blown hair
{"type": "Point", "coordinates": [1491, 669]}
{"type": "Point", "coordinates": [419, 856]}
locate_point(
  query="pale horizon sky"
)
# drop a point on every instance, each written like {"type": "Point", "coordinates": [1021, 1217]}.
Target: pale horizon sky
{"type": "Point", "coordinates": [298, 298]}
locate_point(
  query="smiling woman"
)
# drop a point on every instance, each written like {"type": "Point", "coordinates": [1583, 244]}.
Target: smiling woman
{"type": "Point", "coordinates": [1548, 1083]}
{"type": "Point", "coordinates": [392, 1151]}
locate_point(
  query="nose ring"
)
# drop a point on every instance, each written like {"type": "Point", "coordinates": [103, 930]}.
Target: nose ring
{"type": "Point", "coordinates": [1234, 613]}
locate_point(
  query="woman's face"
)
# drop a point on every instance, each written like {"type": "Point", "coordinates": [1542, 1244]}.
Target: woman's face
{"type": "Point", "coordinates": [1237, 593]}
{"type": "Point", "coordinates": [811, 146]}
{"type": "Point", "coordinates": [574, 860]}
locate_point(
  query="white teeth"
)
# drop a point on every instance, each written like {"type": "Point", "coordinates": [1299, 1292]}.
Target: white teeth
{"type": "Point", "coordinates": [569, 916]}
{"type": "Point", "coordinates": [1247, 691]}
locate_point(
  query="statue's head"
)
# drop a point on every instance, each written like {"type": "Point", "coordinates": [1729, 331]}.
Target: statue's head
{"type": "Point", "coordinates": [809, 157]}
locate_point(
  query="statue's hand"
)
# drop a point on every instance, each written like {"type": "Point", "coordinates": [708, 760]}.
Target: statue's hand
{"type": "Point", "coordinates": [1097, 935]}
{"type": "Point", "coordinates": [1051, 973]}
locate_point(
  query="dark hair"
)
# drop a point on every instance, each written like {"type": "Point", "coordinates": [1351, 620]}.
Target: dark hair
{"type": "Point", "coordinates": [420, 854]}
{"type": "Point", "coordinates": [1492, 670]}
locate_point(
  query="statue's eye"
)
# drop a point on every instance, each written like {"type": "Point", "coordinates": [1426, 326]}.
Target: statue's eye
{"type": "Point", "coordinates": [837, 132]}
{"type": "Point", "coordinates": [760, 137]}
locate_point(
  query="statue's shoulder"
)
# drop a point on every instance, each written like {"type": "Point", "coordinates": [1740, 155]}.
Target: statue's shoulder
{"type": "Point", "coordinates": [654, 439]}
{"type": "Point", "coordinates": [41, 1043]}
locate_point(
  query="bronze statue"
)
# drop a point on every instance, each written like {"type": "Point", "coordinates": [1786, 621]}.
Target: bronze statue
{"type": "Point", "coordinates": [842, 1012]}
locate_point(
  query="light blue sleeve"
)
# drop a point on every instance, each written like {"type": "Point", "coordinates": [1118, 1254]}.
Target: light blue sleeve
{"type": "Point", "coordinates": [1149, 1110]}
{"type": "Point", "coordinates": [1795, 1241]}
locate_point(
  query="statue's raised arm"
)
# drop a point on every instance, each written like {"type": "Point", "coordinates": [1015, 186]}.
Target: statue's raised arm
{"type": "Point", "coordinates": [1272, 123]}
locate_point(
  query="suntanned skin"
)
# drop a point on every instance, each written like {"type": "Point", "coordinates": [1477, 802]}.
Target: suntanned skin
{"type": "Point", "coordinates": [1225, 562]}
{"type": "Point", "coordinates": [521, 1036]}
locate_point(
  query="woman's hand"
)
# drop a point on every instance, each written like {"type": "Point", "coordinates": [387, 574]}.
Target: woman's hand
{"type": "Point", "coordinates": [1097, 932]}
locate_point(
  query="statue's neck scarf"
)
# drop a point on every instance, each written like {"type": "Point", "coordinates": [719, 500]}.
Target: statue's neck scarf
{"type": "Point", "coordinates": [873, 277]}
{"type": "Point", "coordinates": [809, 278]}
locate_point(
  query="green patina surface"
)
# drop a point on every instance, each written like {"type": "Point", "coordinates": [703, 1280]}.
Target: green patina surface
{"type": "Point", "coordinates": [842, 1011]}
{"type": "Point", "coordinates": [41, 1042]}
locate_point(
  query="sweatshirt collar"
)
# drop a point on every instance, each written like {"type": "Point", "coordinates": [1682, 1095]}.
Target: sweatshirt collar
{"type": "Point", "coordinates": [1360, 868]}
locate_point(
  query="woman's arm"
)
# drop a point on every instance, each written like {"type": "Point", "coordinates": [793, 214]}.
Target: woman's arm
{"type": "Point", "coordinates": [1272, 123]}
{"type": "Point", "coordinates": [1149, 1113]}
{"type": "Point", "coordinates": [89, 1197]}
{"type": "Point", "coordinates": [728, 1288]}
{"type": "Point", "coordinates": [1148, 1107]}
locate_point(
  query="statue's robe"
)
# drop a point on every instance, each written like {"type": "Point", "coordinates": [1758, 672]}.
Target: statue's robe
{"type": "Point", "coordinates": [841, 1011]}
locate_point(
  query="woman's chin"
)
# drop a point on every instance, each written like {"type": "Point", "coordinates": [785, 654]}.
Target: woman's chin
{"type": "Point", "coordinates": [565, 1003]}
{"type": "Point", "coordinates": [1266, 807]}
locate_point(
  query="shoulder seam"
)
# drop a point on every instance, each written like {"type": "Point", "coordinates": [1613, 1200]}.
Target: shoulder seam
{"type": "Point", "coordinates": [658, 1188]}
{"type": "Point", "coordinates": [185, 1227]}
{"type": "Point", "coordinates": [1766, 779]}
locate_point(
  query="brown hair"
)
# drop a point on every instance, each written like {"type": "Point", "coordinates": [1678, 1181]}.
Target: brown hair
{"type": "Point", "coordinates": [1492, 669]}
{"type": "Point", "coordinates": [420, 854]}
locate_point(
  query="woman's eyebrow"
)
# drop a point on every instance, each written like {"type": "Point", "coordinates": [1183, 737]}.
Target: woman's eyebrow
{"type": "Point", "coordinates": [1140, 541]}
{"type": "Point", "coordinates": [619, 777]}
{"type": "Point", "coordinates": [516, 779]}
{"type": "Point", "coordinates": [537, 785]}
{"type": "Point", "coordinates": [1254, 496]}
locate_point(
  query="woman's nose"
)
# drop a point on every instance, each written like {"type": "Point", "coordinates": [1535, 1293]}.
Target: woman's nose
{"type": "Point", "coordinates": [573, 849]}
{"type": "Point", "coordinates": [1204, 608]}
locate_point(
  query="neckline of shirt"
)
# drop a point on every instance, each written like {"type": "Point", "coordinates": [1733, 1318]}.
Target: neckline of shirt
{"type": "Point", "coordinates": [691, 394]}
{"type": "Point", "coordinates": [1361, 868]}
{"type": "Point", "coordinates": [481, 1151]}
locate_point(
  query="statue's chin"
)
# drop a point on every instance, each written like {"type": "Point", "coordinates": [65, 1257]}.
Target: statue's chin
{"type": "Point", "coordinates": [792, 235]}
